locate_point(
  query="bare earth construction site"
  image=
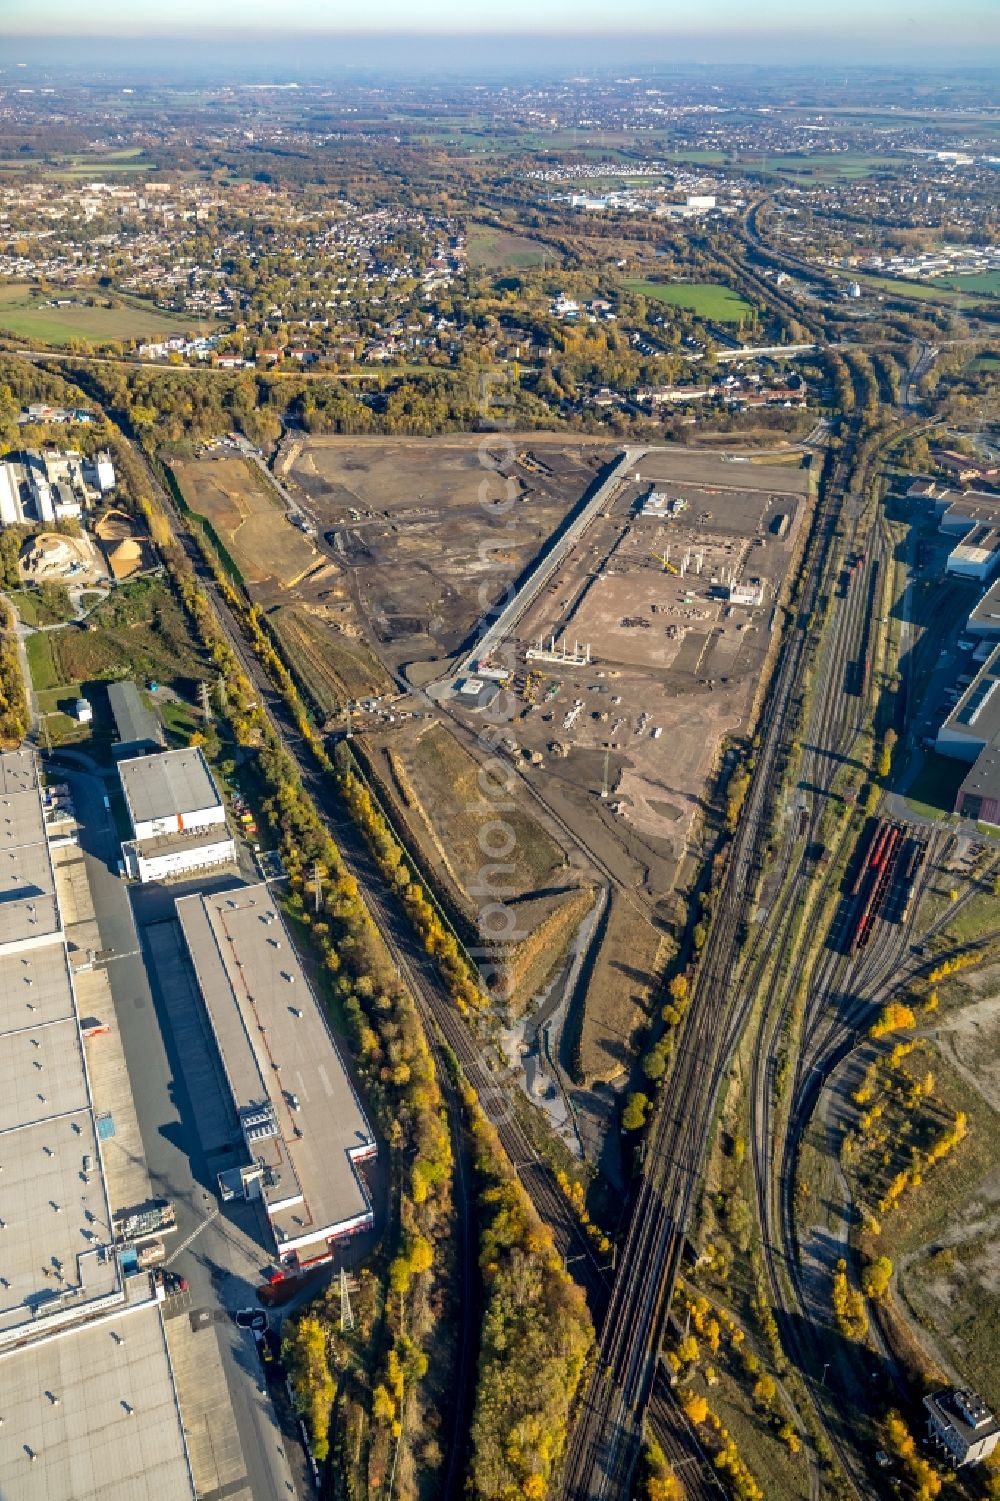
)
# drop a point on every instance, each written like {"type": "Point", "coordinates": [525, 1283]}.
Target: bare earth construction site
{"type": "Point", "coordinates": [641, 603]}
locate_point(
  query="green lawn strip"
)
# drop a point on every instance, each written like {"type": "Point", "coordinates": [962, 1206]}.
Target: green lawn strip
{"type": "Point", "coordinates": [40, 663]}
{"type": "Point", "coordinates": [707, 299]}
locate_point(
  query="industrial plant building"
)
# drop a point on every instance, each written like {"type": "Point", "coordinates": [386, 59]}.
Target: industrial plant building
{"type": "Point", "coordinates": [177, 816]}
{"type": "Point", "coordinates": [303, 1127]}
{"type": "Point", "coordinates": [43, 486]}
{"type": "Point", "coordinates": [971, 732]}
{"type": "Point", "coordinates": [960, 1424]}
{"type": "Point", "coordinates": [89, 1404]}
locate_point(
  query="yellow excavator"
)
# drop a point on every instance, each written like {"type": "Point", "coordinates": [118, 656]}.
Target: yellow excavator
{"type": "Point", "coordinates": [668, 567]}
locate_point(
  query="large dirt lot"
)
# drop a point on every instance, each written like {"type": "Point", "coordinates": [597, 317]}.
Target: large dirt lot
{"type": "Point", "coordinates": [522, 902]}
{"type": "Point", "coordinates": [428, 533]}
{"type": "Point", "coordinates": [675, 664]}
{"type": "Point", "coordinates": [421, 537]}
{"type": "Point", "coordinates": [302, 590]}
{"type": "Point", "coordinates": [251, 522]}
{"type": "Point", "coordinates": [621, 747]}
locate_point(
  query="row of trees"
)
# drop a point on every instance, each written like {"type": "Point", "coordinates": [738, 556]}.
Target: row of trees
{"type": "Point", "coordinates": [536, 1334]}
{"type": "Point", "coordinates": [14, 713]}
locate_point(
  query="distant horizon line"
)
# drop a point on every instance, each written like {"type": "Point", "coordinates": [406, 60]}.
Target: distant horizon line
{"type": "Point", "coordinates": [597, 33]}
{"type": "Point", "coordinates": [494, 50]}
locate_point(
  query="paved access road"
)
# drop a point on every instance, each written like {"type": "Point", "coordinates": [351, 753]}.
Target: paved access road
{"type": "Point", "coordinates": [223, 1254]}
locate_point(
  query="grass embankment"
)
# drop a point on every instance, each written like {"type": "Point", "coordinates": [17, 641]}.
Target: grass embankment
{"type": "Point", "coordinates": [332, 670]}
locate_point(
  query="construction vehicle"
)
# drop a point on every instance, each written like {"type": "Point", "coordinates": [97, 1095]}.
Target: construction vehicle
{"type": "Point", "coordinates": [668, 567]}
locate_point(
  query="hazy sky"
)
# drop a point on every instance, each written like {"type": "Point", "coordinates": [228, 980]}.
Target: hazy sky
{"type": "Point", "coordinates": [110, 16]}
{"type": "Point", "coordinates": [758, 30]}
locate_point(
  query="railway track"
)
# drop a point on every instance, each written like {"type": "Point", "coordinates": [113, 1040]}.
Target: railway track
{"type": "Point", "coordinates": [605, 1443]}
{"type": "Point", "coordinates": [493, 1089]}
{"type": "Point", "coordinates": [866, 975]}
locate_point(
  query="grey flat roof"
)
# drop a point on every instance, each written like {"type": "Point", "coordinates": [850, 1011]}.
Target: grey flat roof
{"type": "Point", "coordinates": [164, 785]}
{"type": "Point", "coordinates": [21, 821]}
{"type": "Point", "coordinates": [54, 1222]}
{"type": "Point", "coordinates": [253, 985]}
{"type": "Point", "coordinates": [42, 1168]}
{"type": "Point", "coordinates": [986, 615]}
{"type": "Point", "coordinates": [18, 772]}
{"type": "Point", "coordinates": [34, 988]}
{"type": "Point", "coordinates": [977, 713]}
{"type": "Point", "coordinates": [181, 839]}
{"type": "Point", "coordinates": [43, 1072]}
{"type": "Point", "coordinates": [90, 1446]}
{"type": "Point", "coordinates": [134, 723]}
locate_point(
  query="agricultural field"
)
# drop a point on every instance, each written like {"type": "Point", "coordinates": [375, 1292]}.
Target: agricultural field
{"type": "Point", "coordinates": [90, 166]}
{"type": "Point", "coordinates": [706, 299]}
{"type": "Point", "coordinates": [493, 249]}
{"type": "Point", "coordinates": [247, 517]}
{"type": "Point", "coordinates": [24, 314]}
{"type": "Point", "coordinates": [333, 668]}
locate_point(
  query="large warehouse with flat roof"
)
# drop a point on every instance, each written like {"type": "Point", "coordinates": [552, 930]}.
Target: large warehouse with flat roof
{"type": "Point", "coordinates": [178, 817]}
{"type": "Point", "coordinates": [89, 1406]}
{"type": "Point", "coordinates": [972, 733]}
{"type": "Point", "coordinates": [302, 1122]}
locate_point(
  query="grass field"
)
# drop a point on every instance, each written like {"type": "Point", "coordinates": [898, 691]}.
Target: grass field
{"type": "Point", "coordinates": [985, 283]}
{"type": "Point", "coordinates": [919, 291]}
{"type": "Point", "coordinates": [494, 249]}
{"type": "Point", "coordinates": [445, 779]}
{"type": "Point", "coordinates": [248, 518]}
{"type": "Point", "coordinates": [36, 608]}
{"type": "Point", "coordinates": [23, 314]}
{"type": "Point", "coordinates": [705, 298]}
{"type": "Point", "coordinates": [826, 166]}
{"type": "Point", "coordinates": [332, 669]}
{"type": "Point", "coordinates": [41, 664]}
